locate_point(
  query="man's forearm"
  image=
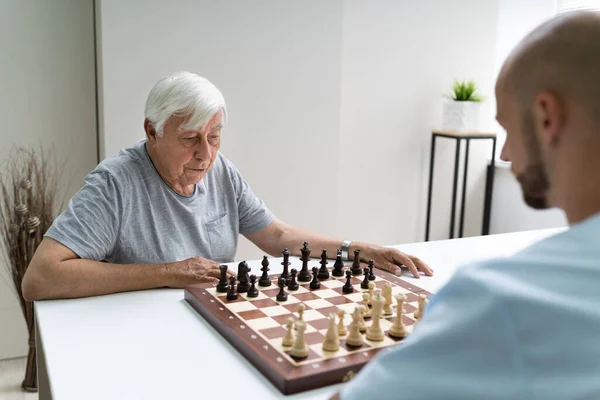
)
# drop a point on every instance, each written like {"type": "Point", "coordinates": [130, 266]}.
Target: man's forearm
{"type": "Point", "coordinates": [293, 239]}
{"type": "Point", "coordinates": [80, 278]}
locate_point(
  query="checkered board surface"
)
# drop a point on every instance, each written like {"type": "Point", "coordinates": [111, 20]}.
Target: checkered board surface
{"type": "Point", "coordinates": [256, 327]}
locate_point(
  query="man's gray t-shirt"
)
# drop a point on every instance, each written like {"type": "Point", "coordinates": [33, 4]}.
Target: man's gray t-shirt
{"type": "Point", "coordinates": [125, 213]}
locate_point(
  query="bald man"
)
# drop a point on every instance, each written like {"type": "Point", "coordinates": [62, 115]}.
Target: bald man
{"type": "Point", "coordinates": [528, 326]}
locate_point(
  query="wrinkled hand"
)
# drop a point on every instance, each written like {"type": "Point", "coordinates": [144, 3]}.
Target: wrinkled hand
{"type": "Point", "coordinates": [391, 260]}
{"type": "Point", "coordinates": [193, 270]}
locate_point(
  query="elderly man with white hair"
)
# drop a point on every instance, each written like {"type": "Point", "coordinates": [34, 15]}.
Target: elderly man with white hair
{"type": "Point", "coordinates": [167, 211]}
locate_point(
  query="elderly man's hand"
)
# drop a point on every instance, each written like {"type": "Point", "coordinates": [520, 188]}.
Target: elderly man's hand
{"type": "Point", "coordinates": [391, 260]}
{"type": "Point", "coordinates": [191, 271]}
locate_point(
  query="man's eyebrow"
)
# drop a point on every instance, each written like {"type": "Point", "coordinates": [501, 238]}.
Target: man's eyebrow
{"type": "Point", "coordinates": [216, 128]}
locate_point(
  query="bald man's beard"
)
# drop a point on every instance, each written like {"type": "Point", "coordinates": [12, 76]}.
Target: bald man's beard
{"type": "Point", "coordinates": [534, 180]}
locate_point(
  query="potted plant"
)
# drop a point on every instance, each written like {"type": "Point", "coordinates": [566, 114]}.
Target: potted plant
{"type": "Point", "coordinates": [28, 186]}
{"type": "Point", "coordinates": [462, 109]}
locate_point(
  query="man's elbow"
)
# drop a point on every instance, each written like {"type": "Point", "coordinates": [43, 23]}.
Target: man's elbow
{"type": "Point", "coordinates": [30, 286]}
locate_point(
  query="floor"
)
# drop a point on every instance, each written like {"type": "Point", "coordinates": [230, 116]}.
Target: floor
{"type": "Point", "coordinates": [11, 376]}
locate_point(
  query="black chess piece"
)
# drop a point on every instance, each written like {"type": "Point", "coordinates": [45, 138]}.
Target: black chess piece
{"type": "Point", "coordinates": [356, 269]}
{"type": "Point", "coordinates": [315, 284]}
{"type": "Point", "coordinates": [338, 266]}
{"type": "Point", "coordinates": [253, 291]}
{"type": "Point", "coordinates": [222, 286]}
{"type": "Point", "coordinates": [243, 278]}
{"type": "Point", "coordinates": [282, 295]}
{"type": "Point", "coordinates": [371, 274]}
{"type": "Point", "coordinates": [365, 283]}
{"type": "Point", "coordinates": [286, 263]}
{"type": "Point", "coordinates": [348, 288]}
{"type": "Point", "coordinates": [323, 272]}
{"type": "Point", "coordinates": [304, 275]}
{"type": "Point", "coordinates": [292, 284]}
{"type": "Point", "coordinates": [232, 294]}
{"type": "Point", "coordinates": [264, 280]}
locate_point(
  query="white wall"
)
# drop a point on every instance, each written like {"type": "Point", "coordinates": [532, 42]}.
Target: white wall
{"type": "Point", "coordinates": [325, 110]}
{"type": "Point", "coordinates": [398, 60]}
{"type": "Point", "coordinates": [47, 97]}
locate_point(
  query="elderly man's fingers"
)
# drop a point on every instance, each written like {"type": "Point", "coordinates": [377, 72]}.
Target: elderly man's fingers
{"type": "Point", "coordinates": [427, 270]}
{"type": "Point", "coordinates": [403, 259]}
{"type": "Point", "coordinates": [394, 269]}
{"type": "Point", "coordinates": [207, 278]}
{"type": "Point", "coordinates": [212, 273]}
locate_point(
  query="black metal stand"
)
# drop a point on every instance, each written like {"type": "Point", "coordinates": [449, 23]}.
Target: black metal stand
{"type": "Point", "coordinates": [488, 184]}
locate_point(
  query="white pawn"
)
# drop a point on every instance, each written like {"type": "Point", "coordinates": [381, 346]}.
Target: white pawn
{"type": "Point", "coordinates": [374, 332]}
{"type": "Point", "coordinates": [332, 339]}
{"type": "Point", "coordinates": [387, 294]}
{"type": "Point", "coordinates": [301, 308]}
{"type": "Point", "coordinates": [422, 304]}
{"type": "Point", "coordinates": [371, 292]}
{"type": "Point", "coordinates": [366, 302]}
{"type": "Point", "coordinates": [355, 339]}
{"type": "Point", "coordinates": [341, 327]}
{"type": "Point", "coordinates": [398, 330]}
{"type": "Point", "coordinates": [288, 339]}
{"type": "Point", "coordinates": [362, 326]}
{"type": "Point", "coordinates": [300, 349]}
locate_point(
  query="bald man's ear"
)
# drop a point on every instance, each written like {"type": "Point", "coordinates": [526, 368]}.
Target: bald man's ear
{"type": "Point", "coordinates": [549, 116]}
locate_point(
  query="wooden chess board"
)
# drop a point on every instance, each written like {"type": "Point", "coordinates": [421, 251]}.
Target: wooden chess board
{"type": "Point", "coordinates": [256, 327]}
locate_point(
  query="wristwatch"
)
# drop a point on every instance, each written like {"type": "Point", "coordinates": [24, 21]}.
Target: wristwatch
{"type": "Point", "coordinates": [345, 249]}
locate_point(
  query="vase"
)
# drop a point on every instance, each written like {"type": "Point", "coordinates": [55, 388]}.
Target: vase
{"type": "Point", "coordinates": [461, 116]}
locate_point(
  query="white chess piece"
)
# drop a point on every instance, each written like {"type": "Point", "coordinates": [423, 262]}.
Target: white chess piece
{"type": "Point", "coordinates": [332, 339]}
{"type": "Point", "coordinates": [398, 330]}
{"type": "Point", "coordinates": [366, 302]}
{"type": "Point", "coordinates": [301, 308]}
{"type": "Point", "coordinates": [355, 339]}
{"type": "Point", "coordinates": [341, 327]}
{"type": "Point", "coordinates": [300, 349]}
{"type": "Point", "coordinates": [387, 294]}
{"type": "Point", "coordinates": [371, 291]}
{"type": "Point", "coordinates": [288, 339]}
{"type": "Point", "coordinates": [362, 326]}
{"type": "Point", "coordinates": [374, 332]}
{"type": "Point", "coordinates": [422, 304]}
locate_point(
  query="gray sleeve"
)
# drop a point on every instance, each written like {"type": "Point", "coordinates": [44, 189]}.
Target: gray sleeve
{"type": "Point", "coordinates": [90, 225]}
{"type": "Point", "coordinates": [253, 213]}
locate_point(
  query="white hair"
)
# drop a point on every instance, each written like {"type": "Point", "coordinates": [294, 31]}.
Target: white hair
{"type": "Point", "coordinates": [183, 94]}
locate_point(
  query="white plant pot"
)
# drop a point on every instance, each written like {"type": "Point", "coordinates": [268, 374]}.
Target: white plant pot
{"type": "Point", "coordinates": [461, 116]}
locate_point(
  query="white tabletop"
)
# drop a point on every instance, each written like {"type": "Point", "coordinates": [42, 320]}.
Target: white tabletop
{"type": "Point", "coordinates": [153, 345]}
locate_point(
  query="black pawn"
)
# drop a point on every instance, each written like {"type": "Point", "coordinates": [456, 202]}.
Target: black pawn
{"type": "Point", "coordinates": [222, 286]}
{"type": "Point", "coordinates": [243, 278]}
{"type": "Point", "coordinates": [304, 275]}
{"type": "Point", "coordinates": [356, 269]}
{"type": "Point", "coordinates": [286, 257]}
{"type": "Point", "coordinates": [253, 291]}
{"type": "Point", "coordinates": [232, 294]}
{"type": "Point", "coordinates": [348, 288]}
{"type": "Point", "coordinates": [371, 274]}
{"type": "Point", "coordinates": [365, 283]}
{"type": "Point", "coordinates": [323, 272]}
{"type": "Point", "coordinates": [338, 266]}
{"type": "Point", "coordinates": [282, 295]}
{"type": "Point", "coordinates": [293, 285]}
{"type": "Point", "coordinates": [315, 284]}
{"type": "Point", "coordinates": [264, 280]}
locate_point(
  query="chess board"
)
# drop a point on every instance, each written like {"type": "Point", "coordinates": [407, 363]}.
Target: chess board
{"type": "Point", "coordinates": [256, 327]}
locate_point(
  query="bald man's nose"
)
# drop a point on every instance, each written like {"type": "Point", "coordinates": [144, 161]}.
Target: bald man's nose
{"type": "Point", "coordinates": [504, 153]}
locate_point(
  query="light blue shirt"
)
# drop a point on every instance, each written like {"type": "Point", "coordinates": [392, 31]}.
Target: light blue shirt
{"type": "Point", "coordinates": [526, 327]}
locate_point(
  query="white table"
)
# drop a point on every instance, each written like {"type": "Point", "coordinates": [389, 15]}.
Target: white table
{"type": "Point", "coordinates": [153, 345]}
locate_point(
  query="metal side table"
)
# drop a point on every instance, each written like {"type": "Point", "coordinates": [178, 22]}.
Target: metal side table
{"type": "Point", "coordinates": [489, 183]}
